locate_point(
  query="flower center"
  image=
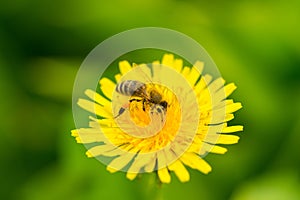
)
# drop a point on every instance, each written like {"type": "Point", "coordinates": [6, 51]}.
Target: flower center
{"type": "Point", "coordinates": [152, 121]}
{"type": "Point", "coordinates": [149, 106]}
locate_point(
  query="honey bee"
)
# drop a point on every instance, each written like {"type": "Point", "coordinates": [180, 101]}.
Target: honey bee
{"type": "Point", "coordinates": [138, 92]}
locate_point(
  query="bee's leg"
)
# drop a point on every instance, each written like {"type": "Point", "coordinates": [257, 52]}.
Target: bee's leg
{"type": "Point", "coordinates": [159, 110]}
{"type": "Point", "coordinates": [164, 104]}
{"type": "Point", "coordinates": [122, 110]}
{"type": "Point", "coordinates": [161, 113]}
{"type": "Point", "coordinates": [144, 107]}
{"type": "Point", "coordinates": [138, 100]}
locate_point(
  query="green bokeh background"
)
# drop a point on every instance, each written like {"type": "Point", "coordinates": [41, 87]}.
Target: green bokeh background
{"type": "Point", "coordinates": [255, 44]}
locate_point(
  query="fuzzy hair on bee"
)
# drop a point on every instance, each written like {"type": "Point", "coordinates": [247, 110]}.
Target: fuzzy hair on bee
{"type": "Point", "coordinates": [139, 92]}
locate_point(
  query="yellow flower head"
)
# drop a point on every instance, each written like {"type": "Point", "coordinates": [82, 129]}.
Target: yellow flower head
{"type": "Point", "coordinates": [159, 118]}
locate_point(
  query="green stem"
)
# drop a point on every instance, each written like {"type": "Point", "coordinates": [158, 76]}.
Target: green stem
{"type": "Point", "coordinates": [153, 190]}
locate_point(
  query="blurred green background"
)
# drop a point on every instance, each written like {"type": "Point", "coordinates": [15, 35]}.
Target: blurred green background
{"type": "Point", "coordinates": [255, 44]}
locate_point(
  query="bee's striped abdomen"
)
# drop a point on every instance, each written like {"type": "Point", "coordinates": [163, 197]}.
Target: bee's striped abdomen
{"type": "Point", "coordinates": [129, 87]}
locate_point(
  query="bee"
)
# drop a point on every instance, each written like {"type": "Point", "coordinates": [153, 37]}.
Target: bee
{"type": "Point", "coordinates": [138, 92]}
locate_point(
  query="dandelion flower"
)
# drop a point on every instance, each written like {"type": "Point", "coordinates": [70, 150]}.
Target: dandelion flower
{"type": "Point", "coordinates": [139, 135]}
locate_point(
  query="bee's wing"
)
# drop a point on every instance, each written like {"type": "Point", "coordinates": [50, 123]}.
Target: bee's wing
{"type": "Point", "coordinates": [141, 73]}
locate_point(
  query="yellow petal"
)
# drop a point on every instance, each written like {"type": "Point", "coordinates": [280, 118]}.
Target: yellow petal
{"type": "Point", "coordinates": [156, 67]}
{"type": "Point", "coordinates": [96, 97]}
{"type": "Point", "coordinates": [131, 176]}
{"type": "Point", "coordinates": [229, 117]}
{"type": "Point", "coordinates": [180, 171]}
{"type": "Point", "coordinates": [98, 150]}
{"type": "Point", "coordinates": [118, 77]}
{"type": "Point", "coordinates": [164, 175]}
{"type": "Point", "coordinates": [212, 132]}
{"type": "Point", "coordinates": [228, 139]}
{"type": "Point", "coordinates": [107, 87]}
{"type": "Point", "coordinates": [94, 108]}
{"type": "Point", "coordinates": [121, 161]}
{"type": "Point", "coordinates": [145, 72]}
{"type": "Point", "coordinates": [199, 66]}
{"type": "Point", "coordinates": [221, 139]}
{"type": "Point", "coordinates": [93, 124]}
{"type": "Point", "coordinates": [168, 60]}
{"type": "Point", "coordinates": [193, 76]}
{"type": "Point", "coordinates": [215, 85]}
{"type": "Point", "coordinates": [178, 64]}
{"type": "Point", "coordinates": [231, 129]}
{"type": "Point", "coordinates": [113, 152]}
{"type": "Point", "coordinates": [195, 162]}
{"type": "Point", "coordinates": [202, 84]}
{"type": "Point", "coordinates": [124, 67]}
{"type": "Point", "coordinates": [210, 148]}
{"type": "Point", "coordinates": [233, 107]}
{"type": "Point", "coordinates": [218, 150]}
{"type": "Point", "coordinates": [223, 103]}
{"type": "Point", "coordinates": [220, 117]}
{"type": "Point", "coordinates": [161, 159]}
{"type": "Point", "coordinates": [205, 96]}
{"type": "Point", "coordinates": [111, 170]}
{"type": "Point", "coordinates": [103, 122]}
{"type": "Point", "coordinates": [229, 88]}
{"type": "Point", "coordinates": [150, 165]}
{"type": "Point", "coordinates": [207, 79]}
{"type": "Point", "coordinates": [140, 161]}
{"type": "Point", "coordinates": [74, 133]}
{"type": "Point", "coordinates": [228, 101]}
{"type": "Point", "coordinates": [89, 135]}
{"type": "Point", "coordinates": [185, 71]}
